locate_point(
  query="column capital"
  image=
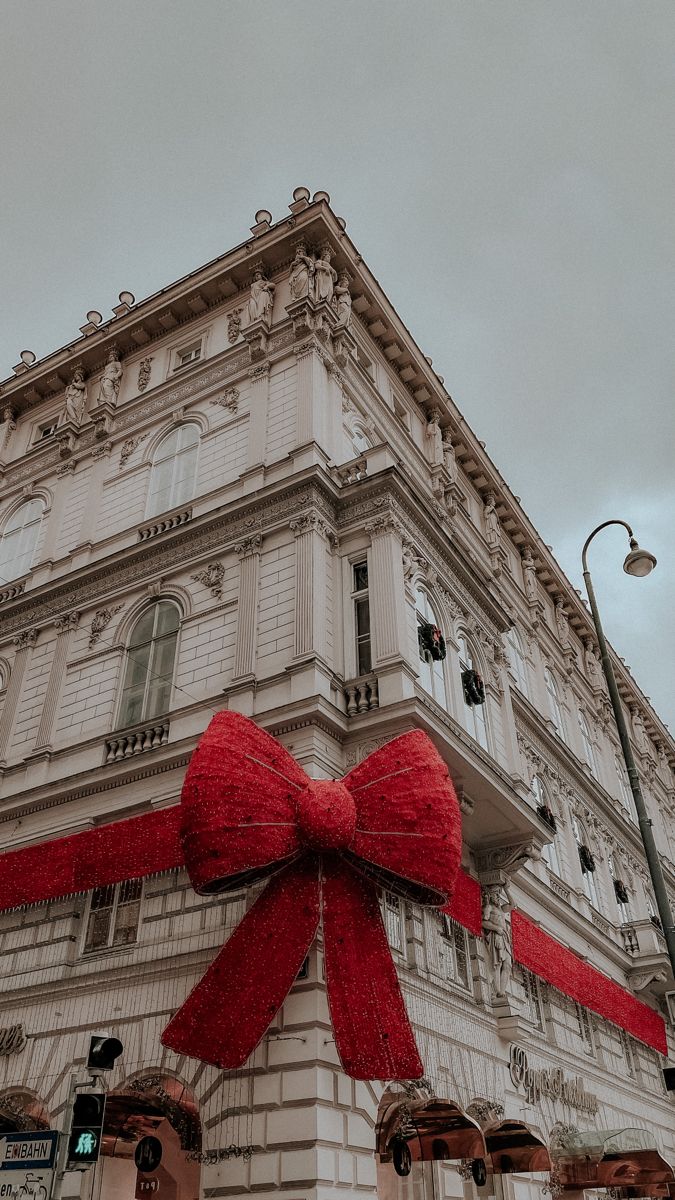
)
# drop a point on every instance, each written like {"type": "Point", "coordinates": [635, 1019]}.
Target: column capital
{"type": "Point", "coordinates": [248, 546]}
{"type": "Point", "coordinates": [25, 639]}
{"type": "Point", "coordinates": [67, 621]}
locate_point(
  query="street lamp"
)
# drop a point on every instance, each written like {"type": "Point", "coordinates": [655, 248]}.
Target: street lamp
{"type": "Point", "coordinates": [639, 563]}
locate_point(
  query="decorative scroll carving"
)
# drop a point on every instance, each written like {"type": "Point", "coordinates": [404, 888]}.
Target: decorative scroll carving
{"type": "Point", "coordinates": [128, 447]}
{"type": "Point", "coordinates": [212, 578]}
{"type": "Point", "coordinates": [100, 621]}
{"type": "Point", "coordinates": [144, 369]}
{"type": "Point", "coordinates": [234, 325]}
{"type": "Point", "coordinates": [229, 400]}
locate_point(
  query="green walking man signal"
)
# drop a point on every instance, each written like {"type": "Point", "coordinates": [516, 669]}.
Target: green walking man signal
{"type": "Point", "coordinates": [84, 1143]}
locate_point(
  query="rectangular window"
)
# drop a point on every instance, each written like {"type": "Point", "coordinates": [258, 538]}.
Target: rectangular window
{"type": "Point", "coordinates": [392, 911]}
{"type": "Point", "coordinates": [532, 992]}
{"type": "Point", "coordinates": [361, 618]}
{"type": "Point", "coordinates": [114, 914]}
{"type": "Point", "coordinates": [187, 355]}
{"type": "Point", "coordinates": [46, 430]}
{"type": "Point", "coordinates": [586, 1029]}
{"type": "Point", "coordinates": [627, 1047]}
{"type": "Point", "coordinates": [455, 952]}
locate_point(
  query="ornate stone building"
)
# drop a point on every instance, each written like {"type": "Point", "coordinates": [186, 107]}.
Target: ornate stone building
{"type": "Point", "coordinates": [252, 491]}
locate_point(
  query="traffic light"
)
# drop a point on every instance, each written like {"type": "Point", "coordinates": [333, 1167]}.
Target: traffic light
{"type": "Point", "coordinates": [102, 1052]}
{"type": "Point", "coordinates": [84, 1143]}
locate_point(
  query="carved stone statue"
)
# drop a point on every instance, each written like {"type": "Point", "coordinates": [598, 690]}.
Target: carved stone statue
{"type": "Point", "coordinates": [260, 303]}
{"type": "Point", "coordinates": [449, 456]}
{"type": "Point", "coordinates": [302, 273]}
{"type": "Point", "coordinates": [562, 622]}
{"type": "Point", "coordinates": [498, 938]}
{"type": "Point", "coordinates": [492, 526]}
{"type": "Point", "coordinates": [234, 325]}
{"type": "Point", "coordinates": [638, 727]}
{"type": "Point", "coordinates": [529, 575]}
{"type": "Point", "coordinates": [592, 665]}
{"type": "Point", "coordinates": [325, 276]}
{"type": "Point", "coordinates": [434, 438]}
{"type": "Point", "coordinates": [76, 397]}
{"type": "Point", "coordinates": [111, 379]}
{"type": "Point", "coordinates": [342, 298]}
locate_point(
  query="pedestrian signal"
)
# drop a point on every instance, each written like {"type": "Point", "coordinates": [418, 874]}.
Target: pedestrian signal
{"type": "Point", "coordinates": [86, 1130]}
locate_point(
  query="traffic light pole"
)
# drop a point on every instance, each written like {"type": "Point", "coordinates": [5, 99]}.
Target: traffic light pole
{"type": "Point", "coordinates": [62, 1152]}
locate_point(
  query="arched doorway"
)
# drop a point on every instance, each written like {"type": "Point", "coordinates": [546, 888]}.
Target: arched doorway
{"type": "Point", "coordinates": [151, 1104]}
{"type": "Point", "coordinates": [22, 1110]}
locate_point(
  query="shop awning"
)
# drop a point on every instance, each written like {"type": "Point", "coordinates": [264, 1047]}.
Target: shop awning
{"type": "Point", "coordinates": [514, 1148]}
{"type": "Point", "coordinates": [616, 1158]}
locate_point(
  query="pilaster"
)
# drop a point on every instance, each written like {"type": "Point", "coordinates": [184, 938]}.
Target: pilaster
{"type": "Point", "coordinates": [259, 405]}
{"type": "Point", "coordinates": [64, 627]}
{"type": "Point", "coordinates": [23, 644]}
{"type": "Point", "coordinates": [387, 589]}
{"type": "Point", "coordinates": [247, 621]}
{"type": "Point", "coordinates": [312, 398]}
{"type": "Point", "coordinates": [310, 585]}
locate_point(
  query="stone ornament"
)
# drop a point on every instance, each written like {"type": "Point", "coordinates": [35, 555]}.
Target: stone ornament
{"type": "Point", "coordinates": [129, 446]}
{"type": "Point", "coordinates": [144, 370]}
{"type": "Point", "coordinates": [25, 639]}
{"type": "Point", "coordinates": [111, 379]}
{"type": "Point", "coordinates": [234, 325]}
{"type": "Point", "coordinates": [497, 930]}
{"type": "Point", "coordinates": [100, 621]}
{"type": "Point", "coordinates": [76, 397]}
{"type": "Point", "coordinates": [261, 300]}
{"type": "Point", "coordinates": [212, 578]}
{"type": "Point", "coordinates": [230, 400]}
{"type": "Point", "coordinates": [66, 622]}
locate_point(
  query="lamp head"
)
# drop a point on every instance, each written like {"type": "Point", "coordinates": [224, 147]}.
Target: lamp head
{"type": "Point", "coordinates": [638, 562]}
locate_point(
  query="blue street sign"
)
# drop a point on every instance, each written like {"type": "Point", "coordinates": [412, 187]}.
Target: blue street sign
{"type": "Point", "coordinates": [20, 1151]}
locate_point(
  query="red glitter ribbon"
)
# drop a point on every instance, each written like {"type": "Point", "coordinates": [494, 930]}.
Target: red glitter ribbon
{"type": "Point", "coordinates": [248, 811]}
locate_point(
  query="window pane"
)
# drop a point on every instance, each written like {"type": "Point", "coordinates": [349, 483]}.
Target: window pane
{"type": "Point", "coordinates": [126, 923]}
{"type": "Point", "coordinates": [362, 618]}
{"type": "Point", "coordinates": [167, 447]}
{"type": "Point", "coordinates": [98, 928]}
{"type": "Point", "coordinates": [188, 436]}
{"type": "Point", "coordinates": [142, 630]}
{"type": "Point", "coordinates": [167, 618]}
{"type": "Point", "coordinates": [360, 576]}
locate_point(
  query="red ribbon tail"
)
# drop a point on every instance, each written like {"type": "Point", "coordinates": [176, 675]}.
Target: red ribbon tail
{"type": "Point", "coordinates": [373, 1035]}
{"type": "Point", "coordinates": [228, 1012]}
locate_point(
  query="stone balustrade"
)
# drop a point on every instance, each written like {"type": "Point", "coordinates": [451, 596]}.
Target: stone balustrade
{"type": "Point", "coordinates": [172, 521]}
{"type": "Point", "coordinates": [136, 741]}
{"type": "Point", "coordinates": [361, 695]}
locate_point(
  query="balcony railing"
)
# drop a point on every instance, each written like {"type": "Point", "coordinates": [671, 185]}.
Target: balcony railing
{"type": "Point", "coordinates": [361, 695]}
{"type": "Point", "coordinates": [14, 590]}
{"type": "Point", "coordinates": [136, 741]}
{"type": "Point", "coordinates": [162, 524]}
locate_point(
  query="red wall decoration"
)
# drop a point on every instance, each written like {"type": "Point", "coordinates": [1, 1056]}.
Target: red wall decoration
{"type": "Point", "coordinates": [550, 960]}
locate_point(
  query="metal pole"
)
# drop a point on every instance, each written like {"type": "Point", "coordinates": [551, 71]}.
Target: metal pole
{"type": "Point", "coordinates": [62, 1148]}
{"type": "Point", "coordinates": [644, 822]}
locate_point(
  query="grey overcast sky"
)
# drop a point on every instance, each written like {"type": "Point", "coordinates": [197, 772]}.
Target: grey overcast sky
{"type": "Point", "coordinates": [506, 169]}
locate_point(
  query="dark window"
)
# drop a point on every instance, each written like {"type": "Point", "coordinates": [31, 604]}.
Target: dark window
{"type": "Point", "coordinates": [362, 618]}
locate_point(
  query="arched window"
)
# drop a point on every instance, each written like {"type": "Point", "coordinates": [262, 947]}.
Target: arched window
{"type": "Point", "coordinates": [549, 853]}
{"type": "Point", "coordinates": [624, 787]}
{"type": "Point", "coordinates": [431, 671]}
{"type": "Point", "coordinates": [474, 714]}
{"type": "Point", "coordinates": [589, 749]}
{"type": "Point", "coordinates": [150, 658]}
{"type": "Point", "coordinates": [585, 860]}
{"type": "Point", "coordinates": [554, 702]}
{"type": "Point", "coordinates": [620, 890]}
{"type": "Point", "coordinates": [174, 470]}
{"type": "Point", "coordinates": [517, 668]}
{"type": "Point", "coordinates": [360, 440]}
{"type": "Point", "coordinates": [19, 539]}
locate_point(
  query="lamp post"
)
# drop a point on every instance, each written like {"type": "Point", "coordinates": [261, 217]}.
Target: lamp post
{"type": "Point", "coordinates": [638, 562]}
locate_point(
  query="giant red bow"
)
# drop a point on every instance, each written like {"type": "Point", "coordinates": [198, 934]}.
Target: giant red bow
{"type": "Point", "coordinates": [249, 811]}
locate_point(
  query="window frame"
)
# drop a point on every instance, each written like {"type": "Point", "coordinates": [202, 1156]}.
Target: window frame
{"type": "Point", "coordinates": [454, 945]}
{"type": "Point", "coordinates": [358, 597]}
{"type": "Point", "coordinates": [150, 675]}
{"type": "Point", "coordinates": [587, 740]}
{"type": "Point", "coordinates": [469, 660]}
{"type": "Point", "coordinates": [193, 348]}
{"type": "Point", "coordinates": [5, 567]}
{"type": "Point", "coordinates": [554, 705]}
{"type": "Point", "coordinates": [623, 906]}
{"type": "Point", "coordinates": [44, 430]}
{"type": "Point", "coordinates": [152, 509]}
{"type": "Point", "coordinates": [433, 669]}
{"type": "Point", "coordinates": [517, 667]}
{"type": "Point", "coordinates": [118, 904]}
{"type": "Point", "coordinates": [550, 850]}
{"type": "Point", "coordinates": [588, 882]}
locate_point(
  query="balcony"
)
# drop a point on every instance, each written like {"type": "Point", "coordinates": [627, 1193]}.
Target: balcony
{"type": "Point", "coordinates": [163, 524]}
{"type": "Point", "coordinates": [647, 947]}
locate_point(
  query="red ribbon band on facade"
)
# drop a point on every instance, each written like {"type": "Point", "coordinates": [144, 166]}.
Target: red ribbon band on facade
{"type": "Point", "coordinates": [562, 968]}
{"type": "Point", "coordinates": [248, 811]}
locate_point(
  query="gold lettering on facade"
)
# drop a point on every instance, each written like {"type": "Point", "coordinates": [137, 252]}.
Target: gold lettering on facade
{"type": "Point", "coordinates": [545, 1081]}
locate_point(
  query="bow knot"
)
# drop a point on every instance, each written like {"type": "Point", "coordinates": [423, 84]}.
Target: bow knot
{"type": "Point", "coordinates": [326, 815]}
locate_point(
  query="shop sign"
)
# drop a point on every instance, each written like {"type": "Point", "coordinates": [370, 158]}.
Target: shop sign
{"type": "Point", "coordinates": [27, 1165]}
{"type": "Point", "coordinates": [549, 1081]}
{"type": "Point", "coordinates": [12, 1039]}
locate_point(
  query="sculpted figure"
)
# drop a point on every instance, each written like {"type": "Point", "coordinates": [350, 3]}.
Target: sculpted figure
{"type": "Point", "coordinates": [110, 379]}
{"type": "Point", "coordinates": [76, 397]}
{"type": "Point", "coordinates": [562, 621]}
{"type": "Point", "coordinates": [261, 299]}
{"type": "Point", "coordinates": [449, 456]}
{"type": "Point", "coordinates": [302, 273]}
{"type": "Point", "coordinates": [325, 276]}
{"type": "Point", "coordinates": [434, 438]}
{"type": "Point", "coordinates": [498, 938]}
{"type": "Point", "coordinates": [529, 575]}
{"type": "Point", "coordinates": [492, 526]}
{"type": "Point", "coordinates": [342, 299]}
